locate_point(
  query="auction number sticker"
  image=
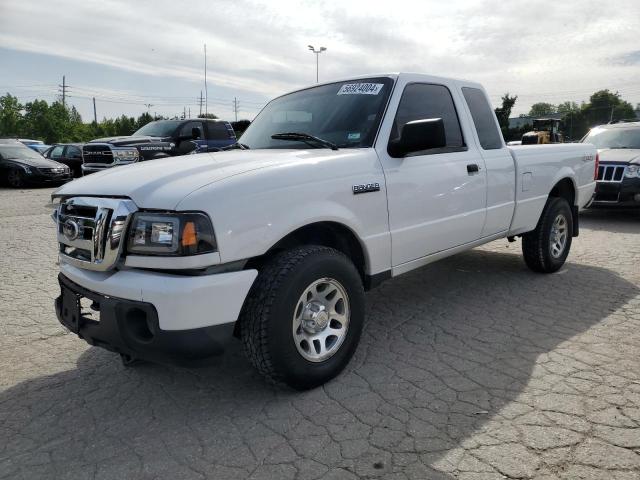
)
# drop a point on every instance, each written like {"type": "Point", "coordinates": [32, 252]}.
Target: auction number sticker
{"type": "Point", "coordinates": [360, 89]}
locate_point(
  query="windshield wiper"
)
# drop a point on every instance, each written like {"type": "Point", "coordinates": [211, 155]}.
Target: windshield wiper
{"type": "Point", "coordinates": [306, 138]}
{"type": "Point", "coordinates": [238, 145]}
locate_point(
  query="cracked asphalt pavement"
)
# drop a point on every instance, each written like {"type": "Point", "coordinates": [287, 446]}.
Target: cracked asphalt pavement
{"type": "Point", "coordinates": [470, 368]}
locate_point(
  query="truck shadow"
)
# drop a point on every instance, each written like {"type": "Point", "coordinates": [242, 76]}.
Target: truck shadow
{"type": "Point", "coordinates": [446, 349]}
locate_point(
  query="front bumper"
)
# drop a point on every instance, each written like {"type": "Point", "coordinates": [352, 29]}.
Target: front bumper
{"type": "Point", "coordinates": [131, 328]}
{"type": "Point", "coordinates": [43, 179]}
{"type": "Point", "coordinates": [624, 193]}
{"type": "Point", "coordinates": [160, 317]}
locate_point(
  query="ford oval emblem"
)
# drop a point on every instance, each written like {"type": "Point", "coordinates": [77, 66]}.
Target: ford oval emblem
{"type": "Point", "coordinates": [70, 230]}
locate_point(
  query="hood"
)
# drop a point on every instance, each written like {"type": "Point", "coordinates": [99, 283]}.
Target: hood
{"type": "Point", "coordinates": [163, 183]}
{"type": "Point", "coordinates": [620, 155]}
{"type": "Point", "coordinates": [36, 162]}
{"type": "Point", "coordinates": [128, 140]}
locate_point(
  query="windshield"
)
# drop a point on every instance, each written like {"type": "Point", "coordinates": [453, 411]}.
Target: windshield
{"type": "Point", "coordinates": [614, 137]}
{"type": "Point", "coordinates": [345, 113]}
{"type": "Point", "coordinates": [18, 152]}
{"type": "Point", "coordinates": [160, 128]}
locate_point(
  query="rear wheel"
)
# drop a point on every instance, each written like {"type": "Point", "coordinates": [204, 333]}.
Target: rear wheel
{"type": "Point", "coordinates": [15, 178]}
{"type": "Point", "coordinates": [546, 248]}
{"type": "Point", "coordinates": [303, 318]}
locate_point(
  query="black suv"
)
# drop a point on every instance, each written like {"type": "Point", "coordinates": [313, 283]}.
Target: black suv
{"type": "Point", "coordinates": [159, 139]}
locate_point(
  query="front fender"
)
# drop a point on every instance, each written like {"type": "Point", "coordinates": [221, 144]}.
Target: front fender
{"type": "Point", "coordinates": [252, 212]}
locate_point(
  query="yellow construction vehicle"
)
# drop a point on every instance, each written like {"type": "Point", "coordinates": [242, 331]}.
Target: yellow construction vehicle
{"type": "Point", "coordinates": [545, 130]}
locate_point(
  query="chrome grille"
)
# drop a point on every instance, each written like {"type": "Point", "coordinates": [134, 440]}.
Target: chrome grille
{"type": "Point", "coordinates": [52, 171]}
{"type": "Point", "coordinates": [611, 172]}
{"type": "Point", "coordinates": [97, 154]}
{"type": "Point", "coordinates": [90, 230]}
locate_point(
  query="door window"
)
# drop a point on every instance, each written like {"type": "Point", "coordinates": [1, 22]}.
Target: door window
{"type": "Point", "coordinates": [422, 101]}
{"type": "Point", "coordinates": [483, 118]}
{"type": "Point", "coordinates": [186, 129]}
{"type": "Point", "coordinates": [57, 152]}
{"type": "Point", "coordinates": [218, 131]}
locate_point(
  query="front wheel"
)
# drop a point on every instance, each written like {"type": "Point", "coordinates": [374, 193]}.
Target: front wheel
{"type": "Point", "coordinates": [15, 178]}
{"type": "Point", "coordinates": [303, 318]}
{"type": "Point", "coordinates": [546, 248]}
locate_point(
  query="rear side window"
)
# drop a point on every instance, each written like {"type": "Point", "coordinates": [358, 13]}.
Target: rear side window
{"type": "Point", "coordinates": [422, 101]}
{"type": "Point", "coordinates": [73, 151]}
{"type": "Point", "coordinates": [483, 118]}
{"type": "Point", "coordinates": [218, 131]}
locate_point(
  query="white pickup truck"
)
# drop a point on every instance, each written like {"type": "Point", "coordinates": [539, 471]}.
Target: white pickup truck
{"type": "Point", "coordinates": [333, 189]}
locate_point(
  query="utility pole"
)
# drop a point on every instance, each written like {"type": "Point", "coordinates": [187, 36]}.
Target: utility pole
{"type": "Point", "coordinates": [206, 93]}
{"type": "Point", "coordinates": [184, 113]}
{"type": "Point", "coordinates": [317, 52]}
{"type": "Point", "coordinates": [200, 102]}
{"type": "Point", "coordinates": [189, 112]}
{"type": "Point", "coordinates": [95, 115]}
{"type": "Point", "coordinates": [64, 91]}
{"type": "Point", "coordinates": [235, 107]}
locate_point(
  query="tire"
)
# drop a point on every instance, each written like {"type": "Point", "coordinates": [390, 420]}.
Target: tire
{"type": "Point", "coordinates": [15, 178]}
{"type": "Point", "coordinates": [546, 248]}
{"type": "Point", "coordinates": [284, 310]}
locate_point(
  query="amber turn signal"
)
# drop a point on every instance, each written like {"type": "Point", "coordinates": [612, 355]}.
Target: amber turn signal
{"type": "Point", "coordinates": [189, 238]}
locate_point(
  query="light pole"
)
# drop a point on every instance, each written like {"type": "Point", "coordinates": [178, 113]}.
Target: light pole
{"type": "Point", "coordinates": [317, 52]}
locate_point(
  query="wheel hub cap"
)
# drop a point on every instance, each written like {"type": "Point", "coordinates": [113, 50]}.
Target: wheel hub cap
{"type": "Point", "coordinates": [314, 317]}
{"type": "Point", "coordinates": [321, 319]}
{"type": "Point", "coordinates": [559, 231]}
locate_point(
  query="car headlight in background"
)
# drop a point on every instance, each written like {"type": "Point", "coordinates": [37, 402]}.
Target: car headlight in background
{"type": "Point", "coordinates": [632, 171]}
{"type": "Point", "coordinates": [27, 168]}
{"type": "Point", "coordinates": [171, 234]}
{"type": "Point", "coordinates": [125, 154]}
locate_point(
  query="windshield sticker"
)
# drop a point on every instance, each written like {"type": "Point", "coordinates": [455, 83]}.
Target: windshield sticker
{"type": "Point", "coordinates": [360, 89]}
{"type": "Point", "coordinates": [353, 136]}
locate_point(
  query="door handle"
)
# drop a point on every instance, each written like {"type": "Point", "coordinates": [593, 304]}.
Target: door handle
{"type": "Point", "coordinates": [473, 168]}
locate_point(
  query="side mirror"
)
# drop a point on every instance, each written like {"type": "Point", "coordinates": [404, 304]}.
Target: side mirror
{"type": "Point", "coordinates": [195, 133]}
{"type": "Point", "coordinates": [417, 136]}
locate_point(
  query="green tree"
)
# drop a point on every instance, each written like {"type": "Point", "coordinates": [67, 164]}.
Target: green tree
{"type": "Point", "coordinates": [542, 109]}
{"type": "Point", "coordinates": [566, 107]}
{"type": "Point", "coordinates": [143, 120]}
{"type": "Point", "coordinates": [503, 113]}
{"type": "Point", "coordinates": [10, 116]}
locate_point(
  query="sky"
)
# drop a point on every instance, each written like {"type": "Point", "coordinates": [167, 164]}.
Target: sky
{"type": "Point", "coordinates": [137, 56]}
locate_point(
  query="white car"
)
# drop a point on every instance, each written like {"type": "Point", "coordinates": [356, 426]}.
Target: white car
{"type": "Point", "coordinates": [333, 189]}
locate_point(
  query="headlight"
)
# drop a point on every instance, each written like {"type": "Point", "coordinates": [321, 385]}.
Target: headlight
{"type": "Point", "coordinates": [632, 171]}
{"type": "Point", "coordinates": [125, 154]}
{"type": "Point", "coordinates": [171, 234]}
{"type": "Point", "coordinates": [27, 168]}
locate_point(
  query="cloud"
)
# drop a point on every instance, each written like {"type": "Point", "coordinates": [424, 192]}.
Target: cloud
{"type": "Point", "coordinates": [561, 51]}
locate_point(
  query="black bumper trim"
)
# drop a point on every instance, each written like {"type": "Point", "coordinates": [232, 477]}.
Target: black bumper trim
{"type": "Point", "coordinates": [131, 328]}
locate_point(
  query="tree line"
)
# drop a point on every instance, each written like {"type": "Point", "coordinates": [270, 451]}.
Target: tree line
{"type": "Point", "coordinates": [57, 123]}
{"type": "Point", "coordinates": [603, 107]}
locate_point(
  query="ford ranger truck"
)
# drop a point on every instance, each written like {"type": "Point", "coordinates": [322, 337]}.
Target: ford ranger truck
{"type": "Point", "coordinates": [618, 182]}
{"type": "Point", "coordinates": [333, 189]}
{"type": "Point", "coordinates": [159, 139]}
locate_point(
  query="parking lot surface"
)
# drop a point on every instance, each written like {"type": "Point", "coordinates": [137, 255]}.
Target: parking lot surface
{"type": "Point", "coordinates": [470, 368]}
